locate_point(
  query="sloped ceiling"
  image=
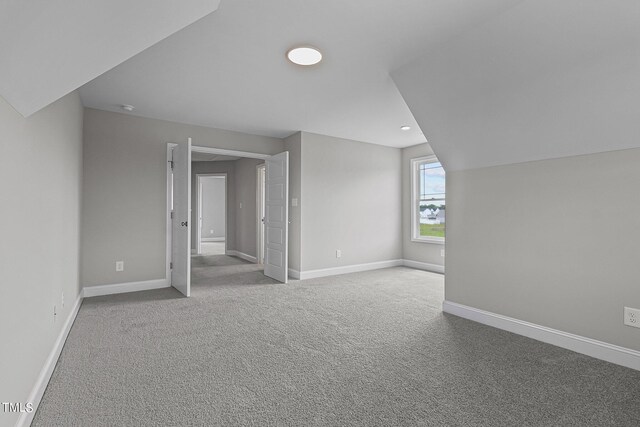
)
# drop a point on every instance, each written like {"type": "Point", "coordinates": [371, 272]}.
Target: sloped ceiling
{"type": "Point", "coordinates": [229, 69]}
{"type": "Point", "coordinates": [50, 48]}
{"type": "Point", "coordinates": [544, 79]}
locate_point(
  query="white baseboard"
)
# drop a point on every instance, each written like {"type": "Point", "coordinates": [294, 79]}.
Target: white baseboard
{"type": "Point", "coordinates": [212, 239]}
{"type": "Point", "coordinates": [120, 288]}
{"type": "Point", "coordinates": [324, 272]}
{"type": "Point", "coordinates": [294, 274]}
{"type": "Point", "coordinates": [424, 266]}
{"type": "Point", "coordinates": [598, 349]}
{"type": "Point", "coordinates": [40, 386]}
{"type": "Point", "coordinates": [355, 268]}
{"type": "Point", "coordinates": [242, 255]}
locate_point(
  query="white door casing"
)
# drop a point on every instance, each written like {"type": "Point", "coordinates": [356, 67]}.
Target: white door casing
{"type": "Point", "coordinates": [180, 224]}
{"type": "Point", "coordinates": [260, 195]}
{"type": "Point", "coordinates": [276, 222]}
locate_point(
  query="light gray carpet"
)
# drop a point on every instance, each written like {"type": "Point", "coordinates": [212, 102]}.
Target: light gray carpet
{"type": "Point", "coordinates": [368, 348]}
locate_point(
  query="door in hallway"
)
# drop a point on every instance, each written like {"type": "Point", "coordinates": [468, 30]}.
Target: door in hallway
{"type": "Point", "coordinates": [276, 217]}
{"type": "Point", "coordinates": [180, 222]}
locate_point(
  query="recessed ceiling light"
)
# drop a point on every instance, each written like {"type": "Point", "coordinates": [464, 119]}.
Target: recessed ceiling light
{"type": "Point", "coordinates": [405, 127]}
{"type": "Point", "coordinates": [304, 55]}
{"type": "Point", "coordinates": [127, 107]}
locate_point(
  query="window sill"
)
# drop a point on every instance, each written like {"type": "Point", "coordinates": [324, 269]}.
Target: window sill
{"type": "Point", "coordinates": [432, 240]}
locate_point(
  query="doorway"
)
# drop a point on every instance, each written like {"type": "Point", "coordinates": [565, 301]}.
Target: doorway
{"type": "Point", "coordinates": [259, 205]}
{"type": "Point", "coordinates": [211, 208]}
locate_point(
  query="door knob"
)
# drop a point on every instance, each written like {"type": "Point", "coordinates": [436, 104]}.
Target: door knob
{"type": "Point", "coordinates": [184, 223]}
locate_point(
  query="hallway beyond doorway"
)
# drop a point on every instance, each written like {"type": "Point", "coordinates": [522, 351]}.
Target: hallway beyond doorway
{"type": "Point", "coordinates": [212, 248]}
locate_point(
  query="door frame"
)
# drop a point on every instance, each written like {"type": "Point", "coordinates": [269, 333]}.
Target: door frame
{"type": "Point", "coordinates": [169, 230]}
{"type": "Point", "coordinates": [197, 149]}
{"type": "Point", "coordinates": [225, 152]}
{"type": "Point", "coordinates": [260, 196]}
{"type": "Point", "coordinates": [199, 177]}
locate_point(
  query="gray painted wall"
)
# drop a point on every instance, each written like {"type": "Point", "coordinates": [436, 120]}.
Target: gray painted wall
{"type": "Point", "coordinates": [216, 167]}
{"type": "Point", "coordinates": [293, 145]}
{"type": "Point", "coordinates": [352, 202]}
{"type": "Point", "coordinates": [39, 225]}
{"type": "Point", "coordinates": [125, 190]}
{"type": "Point", "coordinates": [246, 216]}
{"type": "Point", "coordinates": [213, 206]}
{"type": "Point", "coordinates": [415, 251]}
{"type": "Point", "coordinates": [553, 242]}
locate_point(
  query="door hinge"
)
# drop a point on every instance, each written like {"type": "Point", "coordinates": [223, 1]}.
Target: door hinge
{"type": "Point", "coordinates": [171, 215]}
{"type": "Point", "coordinates": [170, 266]}
{"type": "Point", "coordinates": [171, 163]}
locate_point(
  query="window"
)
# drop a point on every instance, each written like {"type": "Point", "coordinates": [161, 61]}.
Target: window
{"type": "Point", "coordinates": [428, 201]}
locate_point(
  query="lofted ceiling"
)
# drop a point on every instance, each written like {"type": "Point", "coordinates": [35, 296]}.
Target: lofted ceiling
{"type": "Point", "coordinates": [229, 70]}
{"type": "Point", "coordinates": [544, 79]}
{"type": "Point", "coordinates": [50, 48]}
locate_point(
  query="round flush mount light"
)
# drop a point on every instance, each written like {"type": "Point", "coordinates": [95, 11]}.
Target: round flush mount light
{"type": "Point", "coordinates": [127, 107]}
{"type": "Point", "coordinates": [304, 55]}
{"type": "Point", "coordinates": [405, 127]}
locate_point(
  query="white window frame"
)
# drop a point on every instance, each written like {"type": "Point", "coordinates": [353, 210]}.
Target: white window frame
{"type": "Point", "coordinates": [415, 201]}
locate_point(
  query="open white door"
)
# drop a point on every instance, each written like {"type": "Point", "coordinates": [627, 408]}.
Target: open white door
{"type": "Point", "coordinates": [180, 224]}
{"type": "Point", "coordinates": [276, 256]}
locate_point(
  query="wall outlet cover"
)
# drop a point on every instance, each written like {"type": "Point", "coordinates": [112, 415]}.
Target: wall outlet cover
{"type": "Point", "coordinates": [632, 317]}
{"type": "Point", "coordinates": [119, 265]}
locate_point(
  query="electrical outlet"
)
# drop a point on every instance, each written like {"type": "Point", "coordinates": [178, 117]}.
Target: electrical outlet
{"type": "Point", "coordinates": [338, 253]}
{"type": "Point", "coordinates": [441, 252]}
{"type": "Point", "coordinates": [119, 265]}
{"type": "Point", "coordinates": [632, 317]}
{"type": "Point", "coordinates": [240, 205]}
{"type": "Point", "coordinates": [210, 231]}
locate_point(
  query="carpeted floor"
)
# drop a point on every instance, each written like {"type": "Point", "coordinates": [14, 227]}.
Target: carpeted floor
{"type": "Point", "coordinates": [367, 348]}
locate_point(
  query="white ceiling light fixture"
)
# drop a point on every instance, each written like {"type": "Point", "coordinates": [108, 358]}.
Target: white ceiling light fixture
{"type": "Point", "coordinates": [304, 55]}
{"type": "Point", "coordinates": [127, 107]}
{"type": "Point", "coordinates": [405, 127]}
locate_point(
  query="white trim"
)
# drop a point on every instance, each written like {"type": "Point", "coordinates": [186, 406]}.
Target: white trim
{"type": "Point", "coordinates": [169, 231]}
{"type": "Point", "coordinates": [242, 255]}
{"type": "Point", "coordinates": [233, 153]}
{"type": "Point", "coordinates": [598, 349]}
{"type": "Point", "coordinates": [213, 239]}
{"type": "Point", "coordinates": [432, 240]}
{"type": "Point", "coordinates": [120, 288]}
{"type": "Point", "coordinates": [260, 186]}
{"type": "Point", "coordinates": [424, 266]}
{"type": "Point", "coordinates": [294, 274]}
{"type": "Point", "coordinates": [40, 386]}
{"type": "Point", "coordinates": [355, 268]}
{"type": "Point", "coordinates": [414, 201]}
